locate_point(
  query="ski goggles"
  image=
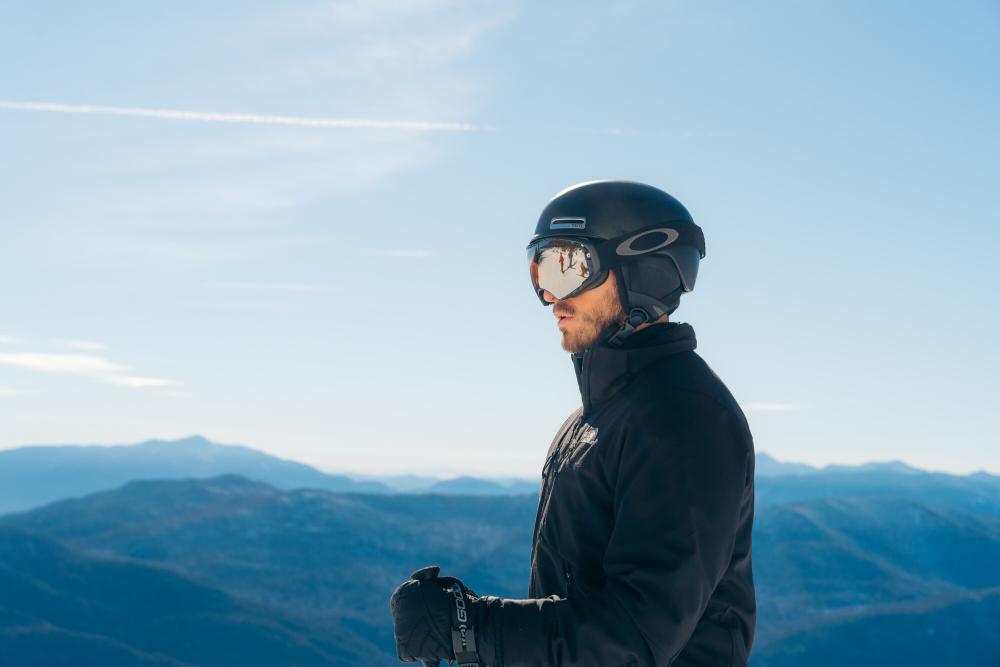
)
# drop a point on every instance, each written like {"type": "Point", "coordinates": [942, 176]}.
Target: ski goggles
{"type": "Point", "coordinates": [564, 267]}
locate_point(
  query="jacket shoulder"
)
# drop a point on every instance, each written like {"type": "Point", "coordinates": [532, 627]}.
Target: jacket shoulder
{"type": "Point", "coordinates": [684, 381]}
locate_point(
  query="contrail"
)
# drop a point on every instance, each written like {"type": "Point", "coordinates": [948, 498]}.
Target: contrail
{"type": "Point", "coordinates": [255, 119]}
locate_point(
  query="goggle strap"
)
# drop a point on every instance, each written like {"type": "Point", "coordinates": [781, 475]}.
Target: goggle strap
{"type": "Point", "coordinates": [606, 251]}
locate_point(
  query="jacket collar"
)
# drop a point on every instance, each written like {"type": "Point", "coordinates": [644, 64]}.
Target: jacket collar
{"type": "Point", "coordinates": [602, 371]}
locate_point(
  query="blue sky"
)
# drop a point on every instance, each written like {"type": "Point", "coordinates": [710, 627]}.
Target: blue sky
{"type": "Point", "coordinates": [354, 295]}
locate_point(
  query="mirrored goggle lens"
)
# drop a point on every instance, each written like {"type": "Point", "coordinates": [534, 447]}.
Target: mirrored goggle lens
{"type": "Point", "coordinates": [559, 267]}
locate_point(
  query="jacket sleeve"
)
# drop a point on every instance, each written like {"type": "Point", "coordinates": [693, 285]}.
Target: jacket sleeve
{"type": "Point", "coordinates": [680, 483]}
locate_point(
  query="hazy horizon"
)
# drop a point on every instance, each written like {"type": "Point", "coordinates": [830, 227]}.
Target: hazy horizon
{"type": "Point", "coordinates": [443, 472]}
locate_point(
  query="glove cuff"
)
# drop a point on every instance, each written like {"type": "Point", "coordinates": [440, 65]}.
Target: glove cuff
{"type": "Point", "coordinates": [490, 629]}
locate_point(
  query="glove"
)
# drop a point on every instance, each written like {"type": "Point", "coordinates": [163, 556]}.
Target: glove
{"type": "Point", "coordinates": [439, 618]}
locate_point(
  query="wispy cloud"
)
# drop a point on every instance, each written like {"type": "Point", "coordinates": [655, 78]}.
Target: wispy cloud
{"type": "Point", "coordinates": [92, 366]}
{"type": "Point", "coordinates": [360, 13]}
{"type": "Point", "coordinates": [608, 131]}
{"type": "Point", "coordinates": [774, 407]}
{"type": "Point", "coordinates": [362, 90]}
{"type": "Point", "coordinates": [14, 391]}
{"type": "Point", "coordinates": [85, 345]}
{"type": "Point", "coordinates": [176, 252]}
{"type": "Point", "coordinates": [174, 393]}
{"type": "Point", "coordinates": [264, 287]}
{"type": "Point", "coordinates": [401, 252]}
{"type": "Point", "coordinates": [247, 306]}
{"type": "Point", "coordinates": [8, 340]}
{"type": "Point", "coordinates": [246, 118]}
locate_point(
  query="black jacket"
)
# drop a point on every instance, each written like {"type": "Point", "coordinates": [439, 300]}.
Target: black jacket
{"type": "Point", "coordinates": [641, 552]}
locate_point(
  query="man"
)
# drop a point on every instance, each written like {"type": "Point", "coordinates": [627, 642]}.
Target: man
{"type": "Point", "coordinates": [642, 545]}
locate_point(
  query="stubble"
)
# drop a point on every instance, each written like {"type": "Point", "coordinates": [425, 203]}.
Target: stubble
{"type": "Point", "coordinates": [591, 323]}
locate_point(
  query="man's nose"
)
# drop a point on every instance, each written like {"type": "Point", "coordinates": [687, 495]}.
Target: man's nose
{"type": "Point", "coordinates": [548, 296]}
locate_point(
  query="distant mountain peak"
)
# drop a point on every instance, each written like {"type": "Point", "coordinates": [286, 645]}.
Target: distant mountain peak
{"type": "Point", "coordinates": [894, 466]}
{"type": "Point", "coordinates": [767, 465]}
{"type": "Point", "coordinates": [190, 441]}
{"type": "Point", "coordinates": [33, 476]}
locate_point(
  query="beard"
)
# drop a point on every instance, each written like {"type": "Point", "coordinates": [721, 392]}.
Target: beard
{"type": "Point", "coordinates": [590, 324]}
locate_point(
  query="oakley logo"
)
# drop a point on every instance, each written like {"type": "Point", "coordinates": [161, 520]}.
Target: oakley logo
{"type": "Point", "coordinates": [647, 241]}
{"type": "Point", "coordinates": [568, 223]}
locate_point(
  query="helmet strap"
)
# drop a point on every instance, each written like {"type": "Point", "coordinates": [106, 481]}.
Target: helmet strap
{"type": "Point", "coordinates": [615, 336]}
{"type": "Point", "coordinates": [639, 309]}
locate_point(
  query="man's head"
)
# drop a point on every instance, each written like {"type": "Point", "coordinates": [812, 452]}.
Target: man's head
{"type": "Point", "coordinates": [639, 237]}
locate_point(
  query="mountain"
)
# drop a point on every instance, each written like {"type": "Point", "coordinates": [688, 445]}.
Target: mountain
{"type": "Point", "coordinates": [768, 466]}
{"type": "Point", "coordinates": [401, 483]}
{"type": "Point", "coordinates": [33, 476]}
{"type": "Point", "coordinates": [893, 466]}
{"type": "Point", "coordinates": [482, 487]}
{"type": "Point", "coordinates": [820, 556]}
{"type": "Point", "coordinates": [58, 607]}
{"type": "Point", "coordinates": [831, 574]}
{"type": "Point", "coordinates": [956, 629]}
{"type": "Point", "coordinates": [870, 581]}
{"type": "Point", "coordinates": [463, 485]}
{"type": "Point", "coordinates": [977, 494]}
{"type": "Point", "coordinates": [315, 556]}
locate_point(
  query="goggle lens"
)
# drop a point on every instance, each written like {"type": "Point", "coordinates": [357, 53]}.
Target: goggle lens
{"type": "Point", "coordinates": [559, 267]}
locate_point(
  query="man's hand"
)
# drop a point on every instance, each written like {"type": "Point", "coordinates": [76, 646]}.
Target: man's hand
{"type": "Point", "coordinates": [433, 617]}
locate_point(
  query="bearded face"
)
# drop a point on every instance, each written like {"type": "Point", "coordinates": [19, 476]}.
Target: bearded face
{"type": "Point", "coordinates": [582, 318]}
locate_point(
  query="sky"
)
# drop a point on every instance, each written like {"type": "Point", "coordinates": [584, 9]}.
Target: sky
{"type": "Point", "coordinates": [301, 226]}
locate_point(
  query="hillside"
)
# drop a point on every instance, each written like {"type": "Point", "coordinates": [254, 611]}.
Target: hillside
{"type": "Point", "coordinates": [314, 555]}
{"type": "Point", "coordinates": [59, 607]}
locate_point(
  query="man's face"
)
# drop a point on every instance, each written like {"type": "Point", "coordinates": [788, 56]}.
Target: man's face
{"type": "Point", "coordinates": [582, 318]}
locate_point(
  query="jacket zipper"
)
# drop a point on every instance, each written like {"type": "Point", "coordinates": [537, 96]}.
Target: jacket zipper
{"type": "Point", "coordinates": [548, 472]}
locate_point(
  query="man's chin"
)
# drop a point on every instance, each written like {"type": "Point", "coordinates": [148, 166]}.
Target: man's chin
{"type": "Point", "coordinates": [574, 342]}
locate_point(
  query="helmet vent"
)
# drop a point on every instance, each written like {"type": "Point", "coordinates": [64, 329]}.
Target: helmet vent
{"type": "Point", "coordinates": [568, 223]}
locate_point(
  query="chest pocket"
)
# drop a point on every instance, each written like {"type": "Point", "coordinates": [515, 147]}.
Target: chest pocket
{"type": "Point", "coordinates": [581, 444]}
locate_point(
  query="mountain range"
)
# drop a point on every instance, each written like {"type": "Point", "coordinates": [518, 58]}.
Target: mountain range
{"type": "Point", "coordinates": [831, 573]}
{"type": "Point", "coordinates": [285, 564]}
{"type": "Point", "coordinates": [35, 475]}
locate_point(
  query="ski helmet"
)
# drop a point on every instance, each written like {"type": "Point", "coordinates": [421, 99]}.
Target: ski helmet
{"type": "Point", "coordinates": [641, 233]}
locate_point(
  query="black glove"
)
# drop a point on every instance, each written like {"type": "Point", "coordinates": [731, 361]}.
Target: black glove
{"type": "Point", "coordinates": [439, 618]}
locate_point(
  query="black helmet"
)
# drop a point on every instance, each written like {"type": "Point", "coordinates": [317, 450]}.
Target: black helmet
{"type": "Point", "coordinates": [640, 232]}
